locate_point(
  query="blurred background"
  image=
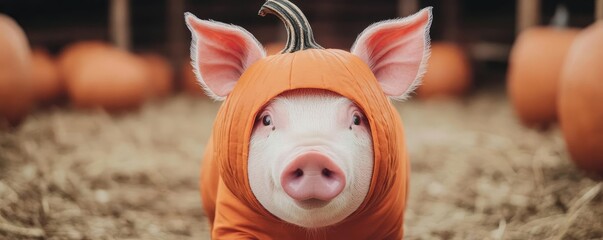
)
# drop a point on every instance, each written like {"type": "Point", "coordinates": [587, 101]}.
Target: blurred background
{"type": "Point", "coordinates": [102, 123]}
{"type": "Point", "coordinates": [485, 29]}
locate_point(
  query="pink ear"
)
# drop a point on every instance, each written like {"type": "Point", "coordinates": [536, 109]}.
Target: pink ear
{"type": "Point", "coordinates": [220, 53]}
{"type": "Point", "coordinates": [397, 52]}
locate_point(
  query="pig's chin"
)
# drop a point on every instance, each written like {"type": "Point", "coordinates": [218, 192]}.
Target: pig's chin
{"type": "Point", "coordinates": [312, 203]}
{"type": "Point", "coordinates": [313, 213]}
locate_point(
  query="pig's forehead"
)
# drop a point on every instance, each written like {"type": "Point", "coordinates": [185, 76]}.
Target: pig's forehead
{"type": "Point", "coordinates": [307, 95]}
{"type": "Point", "coordinates": [310, 100]}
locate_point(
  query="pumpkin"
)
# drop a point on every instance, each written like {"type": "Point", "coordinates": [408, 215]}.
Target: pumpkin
{"type": "Point", "coordinates": [581, 99]}
{"type": "Point", "coordinates": [161, 75]}
{"type": "Point", "coordinates": [47, 82]}
{"type": "Point", "coordinates": [232, 66]}
{"type": "Point", "coordinates": [73, 54]}
{"type": "Point", "coordinates": [109, 78]}
{"type": "Point", "coordinates": [448, 72]}
{"type": "Point", "coordinates": [16, 92]}
{"type": "Point", "coordinates": [533, 75]}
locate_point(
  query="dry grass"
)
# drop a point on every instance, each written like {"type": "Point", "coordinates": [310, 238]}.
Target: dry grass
{"type": "Point", "coordinates": [477, 174]}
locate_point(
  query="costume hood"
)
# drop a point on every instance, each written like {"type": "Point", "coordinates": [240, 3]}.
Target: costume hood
{"type": "Point", "coordinates": [333, 70]}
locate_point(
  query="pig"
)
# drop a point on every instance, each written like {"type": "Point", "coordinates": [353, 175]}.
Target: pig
{"type": "Point", "coordinates": [306, 143]}
{"type": "Point", "coordinates": [310, 157]}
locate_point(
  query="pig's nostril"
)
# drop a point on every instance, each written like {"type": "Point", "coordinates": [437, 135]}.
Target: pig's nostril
{"type": "Point", "coordinates": [298, 173]}
{"type": "Point", "coordinates": [326, 172]}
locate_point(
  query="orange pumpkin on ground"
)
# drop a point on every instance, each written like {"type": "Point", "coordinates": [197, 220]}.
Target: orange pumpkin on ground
{"type": "Point", "coordinates": [109, 78]}
{"type": "Point", "coordinates": [72, 55]}
{"type": "Point", "coordinates": [533, 76]}
{"type": "Point", "coordinates": [161, 75]}
{"type": "Point", "coordinates": [448, 72]}
{"type": "Point", "coordinates": [47, 82]}
{"type": "Point", "coordinates": [16, 92]}
{"type": "Point", "coordinates": [581, 99]}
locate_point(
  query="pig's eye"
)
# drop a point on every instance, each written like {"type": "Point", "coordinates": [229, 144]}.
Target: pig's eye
{"type": "Point", "coordinates": [266, 120]}
{"type": "Point", "coordinates": [356, 119]}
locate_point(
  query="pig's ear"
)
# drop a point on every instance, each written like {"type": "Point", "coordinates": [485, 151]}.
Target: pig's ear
{"type": "Point", "coordinates": [397, 52]}
{"type": "Point", "coordinates": [220, 53]}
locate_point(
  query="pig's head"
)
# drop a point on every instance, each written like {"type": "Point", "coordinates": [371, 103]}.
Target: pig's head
{"type": "Point", "coordinates": [311, 157]}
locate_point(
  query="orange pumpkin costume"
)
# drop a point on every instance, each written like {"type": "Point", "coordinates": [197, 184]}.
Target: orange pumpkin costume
{"type": "Point", "coordinates": [233, 210]}
{"type": "Point", "coordinates": [228, 201]}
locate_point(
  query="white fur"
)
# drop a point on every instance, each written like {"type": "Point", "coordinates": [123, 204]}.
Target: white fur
{"type": "Point", "coordinates": [312, 125]}
{"type": "Point", "coordinates": [361, 50]}
{"type": "Point", "coordinates": [251, 42]}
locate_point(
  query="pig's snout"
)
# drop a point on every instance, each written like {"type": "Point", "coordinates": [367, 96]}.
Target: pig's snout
{"type": "Point", "coordinates": [312, 175]}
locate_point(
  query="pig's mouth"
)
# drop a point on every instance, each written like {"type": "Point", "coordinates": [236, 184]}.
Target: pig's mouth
{"type": "Point", "coordinates": [311, 203]}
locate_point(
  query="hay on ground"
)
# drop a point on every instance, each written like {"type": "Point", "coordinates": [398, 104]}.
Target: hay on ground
{"type": "Point", "coordinates": [476, 174]}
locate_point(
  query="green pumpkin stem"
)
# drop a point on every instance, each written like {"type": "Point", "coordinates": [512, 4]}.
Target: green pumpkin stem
{"type": "Point", "coordinates": [299, 32]}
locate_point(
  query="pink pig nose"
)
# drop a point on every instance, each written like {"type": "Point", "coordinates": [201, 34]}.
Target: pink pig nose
{"type": "Point", "coordinates": [312, 175]}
